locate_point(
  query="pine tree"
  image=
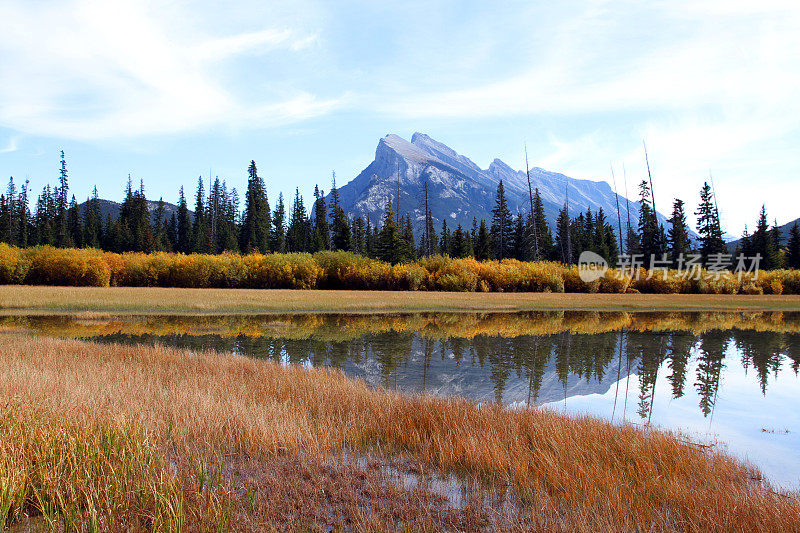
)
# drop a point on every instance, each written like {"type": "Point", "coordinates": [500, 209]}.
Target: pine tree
{"type": "Point", "coordinates": [9, 227]}
{"type": "Point", "coordinates": [708, 226]}
{"type": "Point", "coordinates": [762, 242]}
{"type": "Point", "coordinates": [483, 245]}
{"type": "Point", "coordinates": [444, 239]}
{"type": "Point", "coordinates": [519, 243]}
{"type": "Point", "coordinates": [543, 233]}
{"type": "Point", "coordinates": [339, 225]}
{"type": "Point", "coordinates": [92, 223]}
{"type": "Point", "coordinates": [278, 244]}
{"type": "Point", "coordinates": [652, 245]}
{"type": "Point", "coordinates": [563, 230]}
{"type": "Point", "coordinates": [390, 245]}
{"type": "Point", "coordinates": [407, 234]}
{"type": "Point", "coordinates": [298, 234]}
{"type": "Point", "coordinates": [172, 232]}
{"type": "Point", "coordinates": [679, 243]}
{"type": "Point", "coordinates": [61, 231]}
{"type": "Point", "coordinates": [254, 235]}
{"type": "Point", "coordinates": [793, 247]}
{"type": "Point", "coordinates": [228, 229]}
{"type": "Point", "coordinates": [5, 220]}
{"type": "Point", "coordinates": [461, 245]}
{"type": "Point", "coordinates": [775, 234]}
{"type": "Point", "coordinates": [74, 224]}
{"type": "Point", "coordinates": [183, 236]}
{"type": "Point", "coordinates": [359, 236]}
{"type": "Point", "coordinates": [322, 235]}
{"type": "Point", "coordinates": [23, 216]}
{"type": "Point", "coordinates": [200, 224]}
{"type": "Point", "coordinates": [502, 230]}
{"type": "Point", "coordinates": [160, 239]}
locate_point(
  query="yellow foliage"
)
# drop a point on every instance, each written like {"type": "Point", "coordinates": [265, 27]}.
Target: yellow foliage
{"type": "Point", "coordinates": [343, 270]}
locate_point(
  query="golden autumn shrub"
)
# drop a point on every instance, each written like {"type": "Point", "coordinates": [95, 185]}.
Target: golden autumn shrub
{"type": "Point", "coordinates": [344, 270]}
{"type": "Point", "coordinates": [67, 266]}
{"type": "Point", "coordinates": [791, 282]}
{"type": "Point", "coordinates": [14, 265]}
{"type": "Point", "coordinates": [659, 282]}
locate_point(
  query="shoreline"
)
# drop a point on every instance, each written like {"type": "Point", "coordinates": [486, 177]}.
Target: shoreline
{"type": "Point", "coordinates": [42, 300]}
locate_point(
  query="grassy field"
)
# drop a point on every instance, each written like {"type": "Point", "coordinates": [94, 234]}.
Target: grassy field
{"type": "Point", "coordinates": [109, 437]}
{"type": "Point", "coordinates": [15, 299]}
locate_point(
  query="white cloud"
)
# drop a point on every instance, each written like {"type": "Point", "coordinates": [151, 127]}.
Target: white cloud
{"type": "Point", "coordinates": [97, 70]}
{"type": "Point", "coordinates": [10, 147]}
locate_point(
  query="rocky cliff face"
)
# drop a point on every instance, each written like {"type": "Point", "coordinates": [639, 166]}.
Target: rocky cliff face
{"type": "Point", "coordinates": [459, 190]}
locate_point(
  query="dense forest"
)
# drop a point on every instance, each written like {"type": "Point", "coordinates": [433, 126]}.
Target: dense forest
{"type": "Point", "coordinates": [218, 223]}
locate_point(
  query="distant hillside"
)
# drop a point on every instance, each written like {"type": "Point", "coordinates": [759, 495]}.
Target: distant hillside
{"type": "Point", "coordinates": [110, 207]}
{"type": "Point", "coordinates": [459, 190]}
{"type": "Point", "coordinates": [784, 234]}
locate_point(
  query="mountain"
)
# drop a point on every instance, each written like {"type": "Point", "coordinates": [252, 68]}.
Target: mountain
{"type": "Point", "coordinates": [110, 207]}
{"type": "Point", "coordinates": [459, 190]}
{"type": "Point", "coordinates": [784, 235]}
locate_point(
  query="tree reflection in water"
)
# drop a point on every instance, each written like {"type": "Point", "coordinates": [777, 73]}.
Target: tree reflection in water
{"type": "Point", "coordinates": [527, 358]}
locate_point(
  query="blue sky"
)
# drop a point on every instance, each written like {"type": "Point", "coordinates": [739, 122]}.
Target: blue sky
{"type": "Point", "coordinates": [168, 90]}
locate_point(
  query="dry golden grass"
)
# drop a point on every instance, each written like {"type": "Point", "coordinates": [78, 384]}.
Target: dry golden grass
{"type": "Point", "coordinates": [569, 473]}
{"type": "Point", "coordinates": [15, 299]}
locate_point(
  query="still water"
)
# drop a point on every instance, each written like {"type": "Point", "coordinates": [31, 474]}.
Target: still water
{"type": "Point", "coordinates": [724, 378]}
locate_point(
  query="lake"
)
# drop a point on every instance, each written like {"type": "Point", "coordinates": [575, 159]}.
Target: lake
{"type": "Point", "coordinates": [730, 379]}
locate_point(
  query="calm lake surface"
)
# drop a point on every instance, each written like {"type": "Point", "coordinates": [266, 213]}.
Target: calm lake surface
{"type": "Point", "coordinates": [725, 378]}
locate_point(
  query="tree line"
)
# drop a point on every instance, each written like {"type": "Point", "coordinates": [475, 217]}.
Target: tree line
{"type": "Point", "coordinates": [219, 224]}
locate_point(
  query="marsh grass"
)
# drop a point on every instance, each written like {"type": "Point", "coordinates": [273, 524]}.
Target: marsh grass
{"type": "Point", "coordinates": [142, 409]}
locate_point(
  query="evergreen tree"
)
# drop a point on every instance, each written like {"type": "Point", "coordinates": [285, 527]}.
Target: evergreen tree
{"type": "Point", "coordinates": [370, 238]}
{"type": "Point", "coordinates": [5, 219]}
{"type": "Point", "coordinates": [23, 216]}
{"type": "Point", "coordinates": [359, 236]}
{"type": "Point", "coordinates": [502, 230]}
{"type": "Point", "coordinates": [520, 246]}
{"type": "Point", "coordinates": [321, 236]}
{"type": "Point", "coordinates": [172, 232]}
{"type": "Point", "coordinates": [444, 239]}
{"type": "Point", "coordinates": [228, 224]}
{"type": "Point", "coordinates": [62, 236]}
{"type": "Point", "coordinates": [793, 247]}
{"type": "Point", "coordinates": [543, 233]}
{"type": "Point", "coordinates": [389, 243]}
{"type": "Point", "coordinates": [92, 222]}
{"type": "Point", "coordinates": [460, 244]}
{"type": "Point", "coordinates": [762, 242]}
{"type": "Point", "coordinates": [254, 235]}
{"type": "Point", "coordinates": [483, 245]}
{"type": "Point", "coordinates": [200, 224]}
{"type": "Point", "coordinates": [563, 237]}
{"type": "Point", "coordinates": [74, 224]}
{"type": "Point", "coordinates": [652, 245]}
{"type": "Point", "coordinates": [160, 239]}
{"type": "Point", "coordinates": [775, 233]}
{"type": "Point", "coordinates": [407, 234]}
{"type": "Point", "coordinates": [339, 225]}
{"type": "Point", "coordinates": [708, 225]}
{"type": "Point", "coordinates": [9, 226]}
{"type": "Point", "coordinates": [298, 235]}
{"type": "Point", "coordinates": [278, 227]}
{"type": "Point", "coordinates": [183, 233]}
{"type": "Point", "coordinates": [679, 243]}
